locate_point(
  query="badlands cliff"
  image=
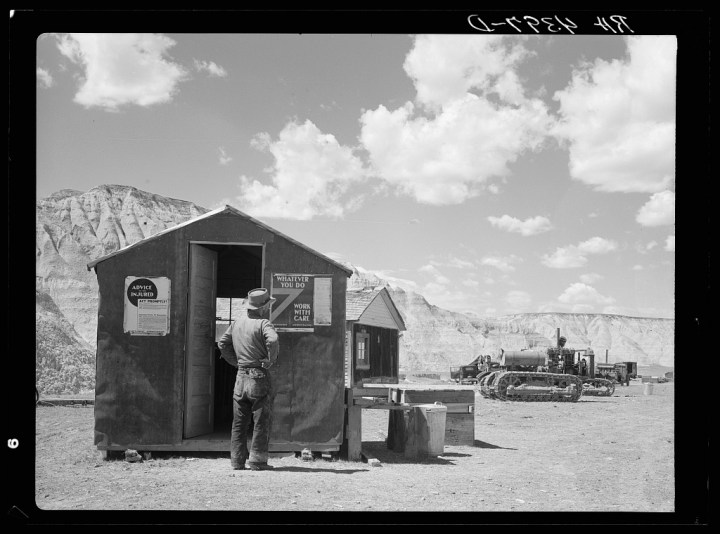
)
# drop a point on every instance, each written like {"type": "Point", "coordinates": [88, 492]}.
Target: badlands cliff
{"type": "Point", "coordinates": [74, 228]}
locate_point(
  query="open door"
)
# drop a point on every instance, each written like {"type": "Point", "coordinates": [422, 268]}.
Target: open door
{"type": "Point", "coordinates": [200, 343]}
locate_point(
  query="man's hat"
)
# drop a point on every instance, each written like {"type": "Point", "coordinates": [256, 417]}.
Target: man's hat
{"type": "Point", "coordinates": [257, 298]}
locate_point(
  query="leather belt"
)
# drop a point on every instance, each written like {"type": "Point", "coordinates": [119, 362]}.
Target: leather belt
{"type": "Point", "coordinates": [251, 370]}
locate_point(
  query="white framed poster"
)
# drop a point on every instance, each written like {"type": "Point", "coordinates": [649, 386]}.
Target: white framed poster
{"type": "Point", "coordinates": [147, 306]}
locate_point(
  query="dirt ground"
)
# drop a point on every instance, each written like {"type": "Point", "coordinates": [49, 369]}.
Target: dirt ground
{"type": "Point", "coordinates": [600, 454]}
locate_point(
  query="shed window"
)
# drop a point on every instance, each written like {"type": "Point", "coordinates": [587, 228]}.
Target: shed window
{"type": "Point", "coordinates": [362, 351]}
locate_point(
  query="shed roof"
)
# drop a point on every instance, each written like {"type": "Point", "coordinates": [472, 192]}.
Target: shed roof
{"type": "Point", "coordinates": [358, 300]}
{"type": "Point", "coordinates": [213, 213]}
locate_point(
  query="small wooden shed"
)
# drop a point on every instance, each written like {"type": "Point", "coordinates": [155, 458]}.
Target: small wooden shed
{"type": "Point", "coordinates": [373, 330]}
{"type": "Point", "coordinates": [160, 382]}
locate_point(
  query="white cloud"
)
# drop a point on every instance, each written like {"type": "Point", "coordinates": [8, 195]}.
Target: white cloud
{"type": "Point", "coordinates": [457, 300]}
{"type": "Point", "coordinates": [644, 248]}
{"type": "Point", "coordinates": [591, 278]}
{"type": "Point", "coordinates": [433, 271]}
{"type": "Point", "coordinates": [618, 118]}
{"type": "Point", "coordinates": [459, 263]}
{"type": "Point", "coordinates": [44, 78]}
{"type": "Point", "coordinates": [212, 68]}
{"type": "Point", "coordinates": [455, 262]}
{"type": "Point", "coordinates": [530, 226]}
{"type": "Point", "coordinates": [583, 294]}
{"type": "Point", "coordinates": [223, 158]}
{"type": "Point", "coordinates": [122, 68]}
{"type": "Point", "coordinates": [637, 267]}
{"type": "Point", "coordinates": [596, 245]}
{"type": "Point", "coordinates": [446, 67]}
{"type": "Point", "coordinates": [311, 176]}
{"type": "Point", "coordinates": [659, 210]}
{"type": "Point", "coordinates": [576, 255]}
{"type": "Point", "coordinates": [445, 148]}
{"type": "Point", "coordinates": [517, 301]}
{"type": "Point", "coordinates": [670, 243]}
{"type": "Point", "coordinates": [502, 263]}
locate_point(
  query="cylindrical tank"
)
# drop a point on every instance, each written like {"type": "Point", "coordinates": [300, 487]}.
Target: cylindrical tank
{"type": "Point", "coordinates": [522, 357]}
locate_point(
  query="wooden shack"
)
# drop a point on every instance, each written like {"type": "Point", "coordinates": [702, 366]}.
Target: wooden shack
{"type": "Point", "coordinates": [373, 329]}
{"type": "Point", "coordinates": [160, 383]}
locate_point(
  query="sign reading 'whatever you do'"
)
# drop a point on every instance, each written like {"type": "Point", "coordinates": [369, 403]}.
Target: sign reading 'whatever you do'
{"type": "Point", "coordinates": [147, 306]}
{"type": "Point", "coordinates": [304, 301]}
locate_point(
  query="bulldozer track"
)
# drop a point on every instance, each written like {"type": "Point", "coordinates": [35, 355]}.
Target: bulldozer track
{"type": "Point", "coordinates": [521, 386]}
{"type": "Point", "coordinates": [598, 387]}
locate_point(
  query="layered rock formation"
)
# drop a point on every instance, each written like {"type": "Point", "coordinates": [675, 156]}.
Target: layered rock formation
{"type": "Point", "coordinates": [437, 339]}
{"type": "Point", "coordinates": [74, 228]}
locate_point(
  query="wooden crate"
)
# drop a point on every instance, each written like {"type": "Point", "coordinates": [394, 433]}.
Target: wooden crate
{"type": "Point", "coordinates": [460, 429]}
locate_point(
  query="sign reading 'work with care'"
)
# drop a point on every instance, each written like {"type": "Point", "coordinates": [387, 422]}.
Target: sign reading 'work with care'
{"type": "Point", "coordinates": [303, 301]}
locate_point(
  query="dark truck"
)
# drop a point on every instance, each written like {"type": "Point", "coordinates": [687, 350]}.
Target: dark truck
{"type": "Point", "coordinates": [465, 374]}
{"type": "Point", "coordinates": [468, 374]}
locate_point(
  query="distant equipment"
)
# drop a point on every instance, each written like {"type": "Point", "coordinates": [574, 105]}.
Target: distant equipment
{"type": "Point", "coordinates": [559, 374]}
{"type": "Point", "coordinates": [474, 371]}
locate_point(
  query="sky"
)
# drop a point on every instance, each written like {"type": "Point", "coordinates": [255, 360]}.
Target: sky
{"type": "Point", "coordinates": [493, 174]}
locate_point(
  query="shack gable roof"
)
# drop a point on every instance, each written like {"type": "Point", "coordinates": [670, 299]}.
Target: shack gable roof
{"type": "Point", "coordinates": [357, 303]}
{"type": "Point", "coordinates": [213, 213]}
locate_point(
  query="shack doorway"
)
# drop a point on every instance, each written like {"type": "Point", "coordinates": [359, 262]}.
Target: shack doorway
{"type": "Point", "coordinates": [220, 276]}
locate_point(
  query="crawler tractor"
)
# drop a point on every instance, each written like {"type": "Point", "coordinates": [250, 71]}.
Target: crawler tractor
{"type": "Point", "coordinates": [536, 376]}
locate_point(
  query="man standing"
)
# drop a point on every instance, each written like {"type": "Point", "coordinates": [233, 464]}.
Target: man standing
{"type": "Point", "coordinates": [582, 367]}
{"type": "Point", "coordinates": [252, 342]}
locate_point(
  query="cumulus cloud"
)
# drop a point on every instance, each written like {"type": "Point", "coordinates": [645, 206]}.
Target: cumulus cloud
{"type": "Point", "coordinates": [122, 68]}
{"type": "Point", "coordinates": [223, 158]}
{"type": "Point", "coordinates": [456, 137]}
{"type": "Point", "coordinates": [659, 210]}
{"type": "Point", "coordinates": [583, 294]}
{"type": "Point", "coordinates": [670, 243]}
{"type": "Point", "coordinates": [213, 69]}
{"type": "Point", "coordinates": [44, 78]}
{"type": "Point", "coordinates": [530, 226]}
{"type": "Point", "coordinates": [501, 263]}
{"type": "Point", "coordinates": [574, 256]}
{"type": "Point", "coordinates": [618, 118]}
{"type": "Point", "coordinates": [446, 67]}
{"type": "Point", "coordinates": [311, 176]}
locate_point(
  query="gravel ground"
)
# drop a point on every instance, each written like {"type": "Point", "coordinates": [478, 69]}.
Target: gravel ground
{"type": "Point", "coordinates": [600, 454]}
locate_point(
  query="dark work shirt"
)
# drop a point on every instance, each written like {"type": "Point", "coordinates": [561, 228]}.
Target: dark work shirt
{"type": "Point", "coordinates": [254, 340]}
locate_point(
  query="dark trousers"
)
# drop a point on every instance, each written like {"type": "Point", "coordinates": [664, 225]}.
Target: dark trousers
{"type": "Point", "coordinates": [253, 399]}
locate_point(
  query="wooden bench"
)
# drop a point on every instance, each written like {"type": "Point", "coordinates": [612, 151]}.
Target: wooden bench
{"type": "Point", "coordinates": [459, 418]}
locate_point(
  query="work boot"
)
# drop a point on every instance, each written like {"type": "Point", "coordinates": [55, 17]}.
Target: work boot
{"type": "Point", "coordinates": [238, 465]}
{"type": "Point", "coordinates": [257, 466]}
